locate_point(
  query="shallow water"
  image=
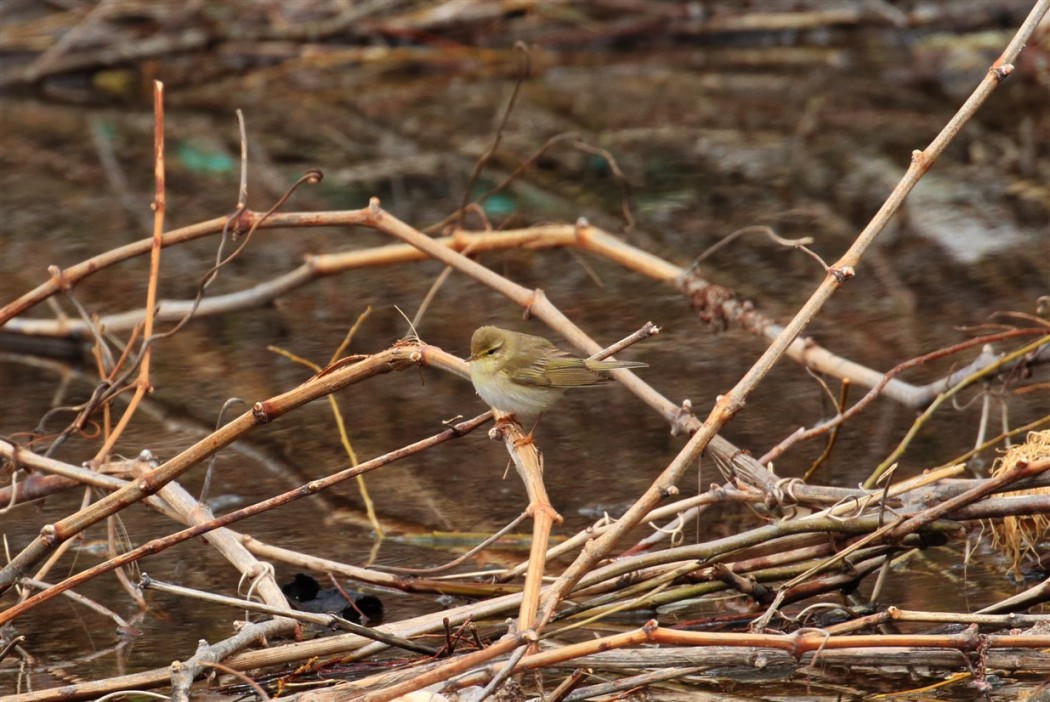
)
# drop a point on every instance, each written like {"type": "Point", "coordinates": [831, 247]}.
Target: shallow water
{"type": "Point", "coordinates": [807, 137]}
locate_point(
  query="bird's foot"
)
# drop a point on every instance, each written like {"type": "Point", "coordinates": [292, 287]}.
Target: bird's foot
{"type": "Point", "coordinates": [524, 441]}
{"type": "Point", "coordinates": [527, 439]}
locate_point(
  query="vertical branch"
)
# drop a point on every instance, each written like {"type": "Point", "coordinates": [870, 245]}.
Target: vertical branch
{"type": "Point", "coordinates": [529, 464]}
{"type": "Point", "coordinates": [142, 385]}
{"type": "Point", "coordinates": [160, 204]}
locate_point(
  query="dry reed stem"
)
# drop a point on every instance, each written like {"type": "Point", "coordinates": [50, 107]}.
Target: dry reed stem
{"type": "Point", "coordinates": [337, 415]}
{"type": "Point", "coordinates": [258, 658]}
{"type": "Point", "coordinates": [1018, 471]}
{"type": "Point", "coordinates": [769, 661]}
{"type": "Point", "coordinates": [142, 384]}
{"type": "Point", "coordinates": [1019, 505]}
{"type": "Point", "coordinates": [729, 405]}
{"type": "Point", "coordinates": [378, 578]}
{"type": "Point", "coordinates": [580, 236]}
{"type": "Point", "coordinates": [537, 304]}
{"type": "Point", "coordinates": [895, 614]}
{"type": "Point", "coordinates": [328, 567]}
{"type": "Point", "coordinates": [798, 643]}
{"type": "Point", "coordinates": [19, 455]}
{"type": "Point", "coordinates": [529, 464]}
{"type": "Point", "coordinates": [934, 388]}
{"type": "Point", "coordinates": [947, 394]}
{"type": "Point", "coordinates": [399, 357]}
{"type": "Point", "coordinates": [330, 620]}
{"type": "Point", "coordinates": [160, 544]}
{"type": "Point", "coordinates": [183, 673]}
{"type": "Point", "coordinates": [226, 543]}
{"type": "Point", "coordinates": [438, 673]}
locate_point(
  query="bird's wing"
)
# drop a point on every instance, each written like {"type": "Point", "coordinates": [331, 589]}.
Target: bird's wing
{"type": "Point", "coordinates": [574, 373]}
{"type": "Point", "coordinates": [525, 369]}
{"type": "Point", "coordinates": [559, 369]}
{"type": "Point", "coordinates": [563, 371]}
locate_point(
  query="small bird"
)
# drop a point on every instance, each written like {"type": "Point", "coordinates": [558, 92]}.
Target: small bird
{"type": "Point", "coordinates": [523, 375]}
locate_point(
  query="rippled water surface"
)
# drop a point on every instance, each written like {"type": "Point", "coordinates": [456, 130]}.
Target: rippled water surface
{"type": "Point", "coordinates": [805, 132]}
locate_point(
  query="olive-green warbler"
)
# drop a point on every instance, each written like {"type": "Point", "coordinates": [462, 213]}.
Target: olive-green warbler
{"type": "Point", "coordinates": [523, 375]}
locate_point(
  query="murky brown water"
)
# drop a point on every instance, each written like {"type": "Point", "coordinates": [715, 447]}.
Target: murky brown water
{"type": "Point", "coordinates": [807, 137]}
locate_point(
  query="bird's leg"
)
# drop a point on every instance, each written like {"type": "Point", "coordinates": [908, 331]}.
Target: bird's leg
{"type": "Point", "coordinates": [503, 417]}
{"type": "Point", "coordinates": [527, 439]}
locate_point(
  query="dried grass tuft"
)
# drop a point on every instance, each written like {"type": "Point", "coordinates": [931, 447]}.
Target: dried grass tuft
{"type": "Point", "coordinates": [1019, 537]}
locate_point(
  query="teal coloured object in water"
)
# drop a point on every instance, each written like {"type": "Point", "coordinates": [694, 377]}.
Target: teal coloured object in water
{"type": "Point", "coordinates": [201, 161]}
{"type": "Point", "coordinates": [499, 205]}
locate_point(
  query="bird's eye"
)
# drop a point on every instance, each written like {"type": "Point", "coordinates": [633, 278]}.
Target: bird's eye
{"type": "Point", "coordinates": [492, 351]}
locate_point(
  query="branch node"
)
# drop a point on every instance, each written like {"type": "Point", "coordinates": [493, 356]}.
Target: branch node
{"type": "Point", "coordinates": [709, 303]}
{"type": "Point", "coordinates": [241, 222]}
{"type": "Point", "coordinates": [48, 535]}
{"type": "Point", "coordinates": [537, 296]}
{"type": "Point", "coordinates": [261, 413]}
{"type": "Point", "coordinates": [669, 492]}
{"type": "Point", "coordinates": [1002, 72]}
{"type": "Point", "coordinates": [60, 279]}
{"type": "Point", "coordinates": [683, 419]}
{"type": "Point", "coordinates": [580, 229]}
{"type": "Point", "coordinates": [546, 508]}
{"type": "Point", "coordinates": [842, 274]}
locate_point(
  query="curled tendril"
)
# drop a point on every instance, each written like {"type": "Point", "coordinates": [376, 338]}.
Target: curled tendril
{"type": "Point", "coordinates": [783, 493]}
{"type": "Point", "coordinates": [261, 570]}
{"type": "Point", "coordinates": [676, 531]}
